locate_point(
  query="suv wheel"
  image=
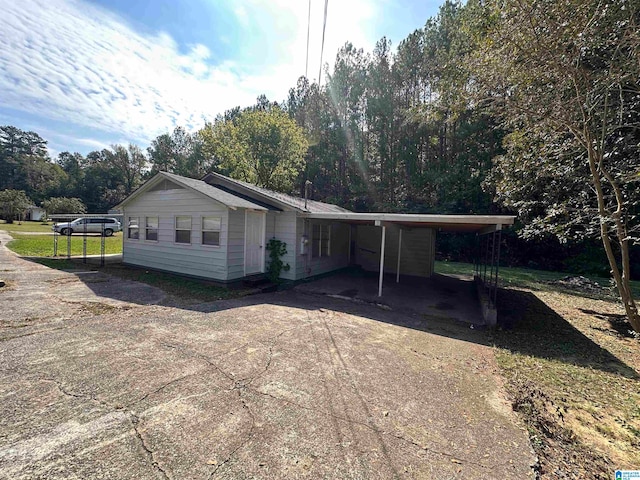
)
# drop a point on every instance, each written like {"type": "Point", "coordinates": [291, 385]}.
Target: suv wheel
{"type": "Point", "coordinates": [66, 231]}
{"type": "Point", "coordinates": [108, 232]}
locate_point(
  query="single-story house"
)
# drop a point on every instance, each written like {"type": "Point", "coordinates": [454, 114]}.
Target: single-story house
{"type": "Point", "coordinates": [217, 228]}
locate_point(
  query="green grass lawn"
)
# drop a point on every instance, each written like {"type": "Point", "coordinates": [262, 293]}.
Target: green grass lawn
{"type": "Point", "coordinates": [26, 226]}
{"type": "Point", "coordinates": [42, 245]}
{"type": "Point", "coordinates": [525, 277]}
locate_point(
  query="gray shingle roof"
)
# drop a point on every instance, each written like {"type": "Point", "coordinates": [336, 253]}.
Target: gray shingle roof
{"type": "Point", "coordinates": [313, 206]}
{"type": "Point", "coordinates": [213, 192]}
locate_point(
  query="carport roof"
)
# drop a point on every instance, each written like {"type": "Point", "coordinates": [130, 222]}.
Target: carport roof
{"type": "Point", "coordinates": [446, 223]}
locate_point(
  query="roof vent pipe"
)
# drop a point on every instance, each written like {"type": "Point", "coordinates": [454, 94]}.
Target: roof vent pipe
{"type": "Point", "coordinates": [307, 184]}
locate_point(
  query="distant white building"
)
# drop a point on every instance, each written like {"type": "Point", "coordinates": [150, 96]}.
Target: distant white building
{"type": "Point", "coordinates": [36, 214]}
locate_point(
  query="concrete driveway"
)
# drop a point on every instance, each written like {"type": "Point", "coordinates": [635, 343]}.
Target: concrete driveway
{"type": "Point", "coordinates": [102, 378]}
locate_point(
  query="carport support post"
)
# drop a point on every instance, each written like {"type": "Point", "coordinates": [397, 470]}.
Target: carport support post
{"type": "Point", "coordinates": [384, 234]}
{"type": "Point", "coordinates": [399, 250]}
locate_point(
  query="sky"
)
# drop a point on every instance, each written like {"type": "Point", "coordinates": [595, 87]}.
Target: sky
{"type": "Point", "coordinates": [86, 74]}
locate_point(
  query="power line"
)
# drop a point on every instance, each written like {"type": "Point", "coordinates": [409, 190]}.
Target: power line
{"type": "Point", "coordinates": [306, 67]}
{"type": "Point", "coordinates": [324, 27]}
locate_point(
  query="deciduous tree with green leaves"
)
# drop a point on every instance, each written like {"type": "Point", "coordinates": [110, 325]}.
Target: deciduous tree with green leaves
{"type": "Point", "coordinates": [179, 152]}
{"type": "Point", "coordinates": [64, 205]}
{"type": "Point", "coordinates": [13, 204]}
{"type": "Point", "coordinates": [564, 77]}
{"type": "Point", "coordinates": [263, 146]}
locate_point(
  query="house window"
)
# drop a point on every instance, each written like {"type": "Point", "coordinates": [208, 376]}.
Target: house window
{"type": "Point", "coordinates": [183, 229]}
{"type": "Point", "coordinates": [133, 228]}
{"type": "Point", "coordinates": [321, 241]}
{"type": "Point", "coordinates": [151, 232]}
{"type": "Point", "coordinates": [211, 230]}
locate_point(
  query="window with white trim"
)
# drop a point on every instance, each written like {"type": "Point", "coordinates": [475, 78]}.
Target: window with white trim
{"type": "Point", "coordinates": [320, 241]}
{"type": "Point", "coordinates": [151, 231]}
{"type": "Point", "coordinates": [133, 228]}
{"type": "Point", "coordinates": [211, 227]}
{"type": "Point", "coordinates": [183, 229]}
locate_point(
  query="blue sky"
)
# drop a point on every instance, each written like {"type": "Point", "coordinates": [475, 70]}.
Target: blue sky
{"type": "Point", "coordinates": [85, 74]}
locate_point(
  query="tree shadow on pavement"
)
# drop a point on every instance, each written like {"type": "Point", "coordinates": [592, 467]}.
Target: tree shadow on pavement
{"type": "Point", "coordinates": [526, 324]}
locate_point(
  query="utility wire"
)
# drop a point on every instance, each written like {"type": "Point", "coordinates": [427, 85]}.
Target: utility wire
{"type": "Point", "coordinates": [306, 67]}
{"type": "Point", "coordinates": [324, 27]}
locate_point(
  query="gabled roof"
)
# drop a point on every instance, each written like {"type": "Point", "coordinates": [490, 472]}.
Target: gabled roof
{"type": "Point", "coordinates": [221, 196]}
{"type": "Point", "coordinates": [282, 200]}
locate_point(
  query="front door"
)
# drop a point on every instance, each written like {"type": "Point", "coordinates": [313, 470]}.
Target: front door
{"type": "Point", "coordinates": [254, 242]}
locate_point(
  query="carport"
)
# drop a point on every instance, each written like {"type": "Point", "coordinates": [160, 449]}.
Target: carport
{"type": "Point", "coordinates": [487, 229]}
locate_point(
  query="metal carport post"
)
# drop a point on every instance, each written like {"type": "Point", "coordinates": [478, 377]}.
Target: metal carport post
{"type": "Point", "coordinates": [378, 223]}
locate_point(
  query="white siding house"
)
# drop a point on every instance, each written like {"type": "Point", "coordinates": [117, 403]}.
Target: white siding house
{"type": "Point", "coordinates": [181, 225]}
{"type": "Point", "coordinates": [218, 228]}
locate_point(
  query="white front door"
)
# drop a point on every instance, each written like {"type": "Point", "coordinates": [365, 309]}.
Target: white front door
{"type": "Point", "coordinates": [254, 242]}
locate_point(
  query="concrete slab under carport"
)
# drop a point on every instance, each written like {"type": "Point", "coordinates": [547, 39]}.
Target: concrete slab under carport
{"type": "Point", "coordinates": [482, 225]}
{"type": "Point", "coordinates": [451, 297]}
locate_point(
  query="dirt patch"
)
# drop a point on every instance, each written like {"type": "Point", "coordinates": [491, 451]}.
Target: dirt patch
{"type": "Point", "coordinates": [24, 322]}
{"type": "Point", "coordinates": [98, 308]}
{"type": "Point", "coordinates": [573, 376]}
{"type": "Point", "coordinates": [583, 286]}
{"type": "Point", "coordinates": [559, 450]}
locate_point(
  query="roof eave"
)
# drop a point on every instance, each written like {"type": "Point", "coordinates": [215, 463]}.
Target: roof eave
{"type": "Point", "coordinates": [163, 175]}
{"type": "Point", "coordinates": [249, 191]}
{"type": "Point", "coordinates": [472, 223]}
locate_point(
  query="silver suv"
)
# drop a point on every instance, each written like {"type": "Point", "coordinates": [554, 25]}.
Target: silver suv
{"type": "Point", "coordinates": [106, 226]}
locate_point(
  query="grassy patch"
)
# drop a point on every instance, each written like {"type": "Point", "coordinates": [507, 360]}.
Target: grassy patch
{"type": "Point", "coordinates": [62, 264]}
{"type": "Point", "coordinates": [529, 278]}
{"type": "Point", "coordinates": [26, 226]}
{"type": "Point", "coordinates": [574, 378]}
{"type": "Point", "coordinates": [42, 245]}
{"type": "Point", "coordinates": [180, 287]}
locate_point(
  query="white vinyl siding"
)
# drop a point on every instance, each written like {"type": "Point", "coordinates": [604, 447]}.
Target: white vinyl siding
{"type": "Point", "coordinates": [285, 231]}
{"type": "Point", "coordinates": [235, 244]}
{"type": "Point", "coordinates": [189, 259]}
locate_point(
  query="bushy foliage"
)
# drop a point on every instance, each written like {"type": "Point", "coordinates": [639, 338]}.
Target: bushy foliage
{"type": "Point", "coordinates": [263, 146]}
{"type": "Point", "coordinates": [277, 249]}
{"type": "Point", "coordinates": [63, 205]}
{"type": "Point", "coordinates": [13, 204]}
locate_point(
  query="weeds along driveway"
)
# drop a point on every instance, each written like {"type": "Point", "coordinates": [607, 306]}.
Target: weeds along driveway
{"type": "Point", "coordinates": [285, 385]}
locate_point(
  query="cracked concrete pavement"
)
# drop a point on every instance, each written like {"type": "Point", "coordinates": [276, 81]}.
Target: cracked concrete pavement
{"type": "Point", "coordinates": [112, 379]}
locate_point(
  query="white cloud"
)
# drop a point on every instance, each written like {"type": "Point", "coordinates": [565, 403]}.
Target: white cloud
{"type": "Point", "coordinates": [70, 61]}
